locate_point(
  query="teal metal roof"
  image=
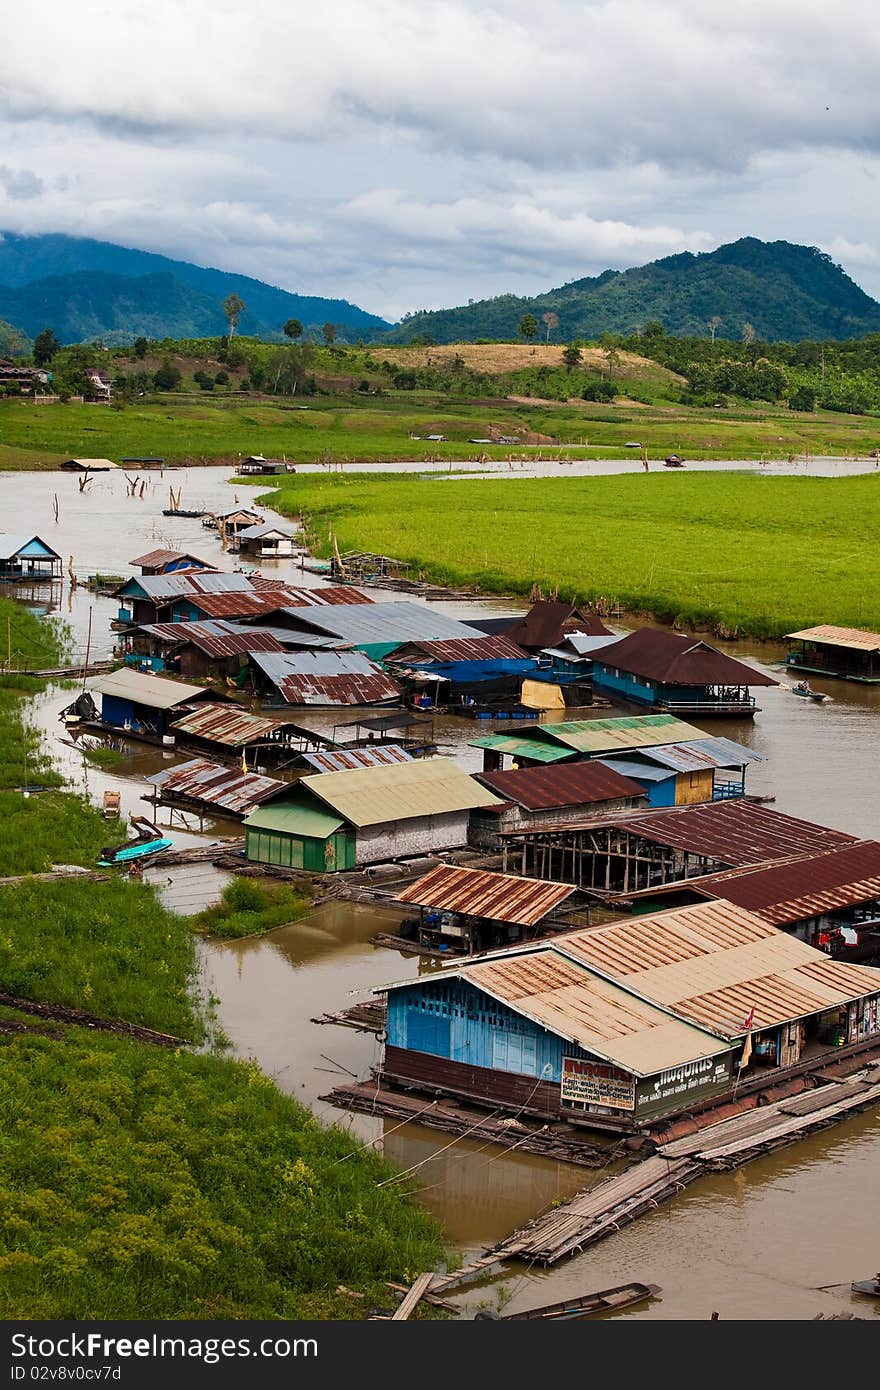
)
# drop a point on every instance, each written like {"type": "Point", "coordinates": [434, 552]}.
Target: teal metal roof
{"type": "Point", "coordinates": [609, 735]}
{"type": "Point", "coordinates": [522, 747]}
{"type": "Point", "coordinates": [293, 819]}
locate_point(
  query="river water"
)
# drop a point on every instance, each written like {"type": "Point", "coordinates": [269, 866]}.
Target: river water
{"type": "Point", "coordinates": [756, 1243]}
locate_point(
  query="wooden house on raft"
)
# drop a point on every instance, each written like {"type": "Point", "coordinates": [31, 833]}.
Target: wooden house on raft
{"type": "Point", "coordinates": [469, 910]}
{"type": "Point", "coordinates": [265, 542]}
{"type": "Point", "coordinates": [616, 1027]}
{"type": "Point", "coordinates": [584, 738]}
{"type": "Point", "coordinates": [141, 704]}
{"type": "Point", "coordinates": [164, 561]}
{"type": "Point", "coordinates": [338, 820]}
{"type": "Point", "coordinates": [678, 774]}
{"type": "Point", "coordinates": [643, 849]}
{"type": "Point", "coordinates": [681, 675]}
{"type": "Point", "coordinates": [27, 559]}
{"type": "Point", "coordinates": [846, 652]}
{"type": "Point", "coordinates": [554, 793]}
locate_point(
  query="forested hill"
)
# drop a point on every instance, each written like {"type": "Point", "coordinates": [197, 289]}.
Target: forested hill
{"type": "Point", "coordinates": [781, 291]}
{"type": "Point", "coordinates": [84, 288]}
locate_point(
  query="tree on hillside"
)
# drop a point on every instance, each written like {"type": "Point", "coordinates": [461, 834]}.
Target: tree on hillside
{"type": "Point", "coordinates": [528, 327]}
{"type": "Point", "coordinates": [329, 331]}
{"type": "Point", "coordinates": [610, 352]}
{"type": "Point", "coordinates": [45, 347]}
{"type": "Point", "coordinates": [293, 329]}
{"type": "Point", "coordinates": [654, 329]}
{"type": "Point", "coordinates": [551, 321]}
{"type": "Point", "coordinates": [166, 377]}
{"type": "Point", "coordinates": [287, 368]}
{"type": "Point", "coordinates": [748, 333]}
{"type": "Point", "coordinates": [140, 347]}
{"type": "Point", "coordinates": [571, 355]}
{"type": "Point", "coordinates": [233, 307]}
{"type": "Point", "coordinates": [715, 323]}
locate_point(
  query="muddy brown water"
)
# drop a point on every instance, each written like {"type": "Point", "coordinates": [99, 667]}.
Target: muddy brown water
{"type": "Point", "coordinates": [756, 1243]}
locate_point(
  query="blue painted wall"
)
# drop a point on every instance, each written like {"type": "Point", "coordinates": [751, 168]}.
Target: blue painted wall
{"type": "Point", "coordinates": [115, 710]}
{"type": "Point", "coordinates": [454, 1020]}
{"type": "Point", "coordinates": [630, 687]}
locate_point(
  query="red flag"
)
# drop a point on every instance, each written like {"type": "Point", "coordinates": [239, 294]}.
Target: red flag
{"type": "Point", "coordinates": [751, 1018]}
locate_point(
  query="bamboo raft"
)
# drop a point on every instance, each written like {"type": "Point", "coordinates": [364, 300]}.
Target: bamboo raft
{"type": "Point", "coordinates": [366, 1018]}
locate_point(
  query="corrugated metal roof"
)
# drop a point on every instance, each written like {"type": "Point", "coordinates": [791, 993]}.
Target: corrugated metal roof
{"type": "Point", "coordinates": [294, 819]}
{"type": "Point", "coordinates": [632, 731]}
{"type": "Point", "coordinates": [699, 754]}
{"type": "Point", "coordinates": [804, 886]}
{"type": "Point", "coordinates": [226, 724]}
{"type": "Point", "coordinates": [154, 691]}
{"type": "Point", "coordinates": [830, 636]}
{"type": "Point", "coordinates": [521, 747]}
{"type": "Point", "coordinates": [375, 623]}
{"type": "Point", "coordinates": [730, 832]}
{"type": "Point", "coordinates": [168, 557]}
{"type": "Point", "coordinates": [641, 772]}
{"type": "Point", "coordinates": [11, 544]}
{"type": "Point", "coordinates": [549, 620]}
{"type": "Point", "coordinates": [326, 678]}
{"type": "Point", "coordinates": [228, 788]}
{"type": "Point", "coordinates": [572, 784]}
{"type": "Point", "coordinates": [712, 963]}
{"type": "Point", "coordinates": [673, 659]}
{"type": "Point", "coordinates": [183, 583]}
{"type": "Point", "coordinates": [216, 637]}
{"type": "Point", "coordinates": [462, 649]}
{"type": "Point", "coordinates": [477, 893]}
{"type": "Point", "coordinates": [254, 533]}
{"type": "Point", "coordinates": [344, 760]}
{"type": "Point", "coordinates": [244, 604]}
{"type": "Point", "coordinates": [585, 644]}
{"type": "Point", "coordinates": [422, 787]}
{"type": "Point", "coordinates": [327, 596]}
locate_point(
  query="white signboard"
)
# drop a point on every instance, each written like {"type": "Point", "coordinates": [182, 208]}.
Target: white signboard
{"type": "Point", "coordinates": [591, 1083]}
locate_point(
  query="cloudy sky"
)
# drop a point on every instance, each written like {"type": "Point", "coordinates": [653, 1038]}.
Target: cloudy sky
{"type": "Point", "coordinates": [414, 155]}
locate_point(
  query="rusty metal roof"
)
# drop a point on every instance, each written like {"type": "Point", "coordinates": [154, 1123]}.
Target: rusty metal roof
{"type": "Point", "coordinates": [828, 636]}
{"type": "Point", "coordinates": [477, 893]}
{"type": "Point", "coordinates": [548, 621]}
{"type": "Point", "coordinates": [245, 603]}
{"type": "Point", "coordinates": [154, 558]}
{"type": "Point", "coordinates": [795, 889]}
{"type": "Point", "coordinates": [421, 787]}
{"type": "Point", "coordinates": [571, 784]}
{"type": "Point", "coordinates": [461, 649]}
{"type": "Point", "coordinates": [344, 759]}
{"type": "Point", "coordinates": [673, 659]}
{"type": "Point", "coordinates": [230, 789]}
{"type": "Point", "coordinates": [216, 637]}
{"type": "Point", "coordinates": [330, 595]}
{"type": "Point", "coordinates": [326, 678]}
{"type": "Point", "coordinates": [226, 724]}
{"type": "Point", "coordinates": [730, 832]}
{"type": "Point", "coordinates": [713, 963]}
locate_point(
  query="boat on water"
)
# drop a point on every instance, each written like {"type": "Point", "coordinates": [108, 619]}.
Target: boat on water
{"type": "Point", "coordinates": [868, 1286]}
{"type": "Point", "coordinates": [182, 511]}
{"type": "Point", "coordinates": [588, 1304]}
{"type": "Point", "coordinates": [111, 805]}
{"type": "Point", "coordinates": [805, 691]}
{"type": "Point", "coordinates": [125, 854]}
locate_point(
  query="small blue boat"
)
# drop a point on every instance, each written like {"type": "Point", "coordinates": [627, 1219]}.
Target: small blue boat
{"type": "Point", "coordinates": [125, 853]}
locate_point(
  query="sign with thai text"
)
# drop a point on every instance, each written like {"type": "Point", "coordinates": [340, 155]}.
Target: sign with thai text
{"type": "Point", "coordinates": [682, 1086]}
{"type": "Point", "coordinates": [591, 1083]}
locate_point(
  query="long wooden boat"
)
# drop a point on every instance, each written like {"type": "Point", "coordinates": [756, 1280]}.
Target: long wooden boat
{"type": "Point", "coordinates": [868, 1286]}
{"type": "Point", "coordinates": [182, 511]}
{"type": "Point", "coordinates": [127, 853]}
{"type": "Point", "coordinates": [588, 1304]}
{"type": "Point", "coordinates": [816, 695]}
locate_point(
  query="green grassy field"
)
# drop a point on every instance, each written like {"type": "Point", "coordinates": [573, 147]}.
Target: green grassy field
{"type": "Point", "coordinates": [187, 430]}
{"type": "Point", "coordinates": [143, 1182]}
{"type": "Point", "coordinates": [734, 552]}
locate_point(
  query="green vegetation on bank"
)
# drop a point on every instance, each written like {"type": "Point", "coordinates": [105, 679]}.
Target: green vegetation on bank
{"type": "Point", "coordinates": [733, 552]}
{"type": "Point", "coordinates": [248, 908]}
{"type": "Point", "coordinates": [138, 1181]}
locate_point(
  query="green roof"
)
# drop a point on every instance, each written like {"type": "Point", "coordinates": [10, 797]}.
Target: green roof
{"type": "Point", "coordinates": [632, 731]}
{"type": "Point", "coordinates": [291, 818]}
{"type": "Point", "coordinates": [522, 747]}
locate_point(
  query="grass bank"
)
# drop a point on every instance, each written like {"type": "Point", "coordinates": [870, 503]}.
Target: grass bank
{"type": "Point", "coordinates": [137, 1181]}
{"type": "Point", "coordinates": [182, 429]}
{"type": "Point", "coordinates": [736, 553]}
{"type": "Point", "coordinates": [248, 908]}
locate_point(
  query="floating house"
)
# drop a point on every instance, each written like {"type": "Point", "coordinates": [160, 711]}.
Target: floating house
{"type": "Point", "coordinates": [27, 559]}
{"type": "Point", "coordinates": [830, 899]}
{"type": "Point", "coordinates": [621, 854]}
{"type": "Point", "coordinates": [265, 542]}
{"type": "Point", "coordinates": [143, 704]}
{"type": "Point", "coordinates": [574, 655]}
{"type": "Point", "coordinates": [189, 596]}
{"type": "Point", "coordinates": [233, 522]}
{"type": "Point", "coordinates": [88, 465]}
{"type": "Point", "coordinates": [380, 628]}
{"type": "Point", "coordinates": [415, 732]}
{"type": "Point", "coordinates": [347, 759]}
{"type": "Point", "coordinates": [339, 820]}
{"type": "Point", "coordinates": [586, 738]}
{"type": "Point", "coordinates": [556, 793]}
{"type": "Point", "coordinates": [228, 731]}
{"type": "Point", "coordinates": [204, 786]}
{"type": "Point", "coordinates": [677, 774]}
{"type": "Point", "coordinates": [548, 622]}
{"type": "Point", "coordinates": [481, 670]}
{"type": "Point", "coordinates": [682, 675]}
{"type": "Point", "coordinates": [143, 461]}
{"type": "Point", "coordinates": [323, 678]}
{"type": "Point", "coordinates": [619, 1026]}
{"type": "Point", "coordinates": [168, 562]}
{"type": "Point", "coordinates": [211, 648]}
{"type": "Point", "coordinates": [846, 652]}
{"type": "Point", "coordinates": [257, 466]}
{"type": "Point", "coordinates": [473, 910]}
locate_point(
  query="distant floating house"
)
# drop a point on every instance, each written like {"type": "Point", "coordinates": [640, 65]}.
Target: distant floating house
{"type": "Point", "coordinates": [88, 465]}
{"type": "Point", "coordinates": [210, 648]}
{"type": "Point", "coordinates": [256, 465]}
{"type": "Point", "coordinates": [266, 542]}
{"type": "Point", "coordinates": [847, 652]}
{"type": "Point", "coordinates": [379, 628]}
{"type": "Point", "coordinates": [231, 523]}
{"type": "Point", "coordinates": [27, 558]}
{"type": "Point", "coordinates": [585, 738]}
{"type": "Point", "coordinates": [143, 704]}
{"type": "Point", "coordinates": [678, 774]}
{"type": "Point", "coordinates": [557, 793]}
{"type": "Point", "coordinates": [474, 910]}
{"type": "Point", "coordinates": [144, 461]}
{"type": "Point", "coordinates": [338, 820]}
{"type": "Point", "coordinates": [683, 675]}
{"type": "Point", "coordinates": [548, 622]}
{"type": "Point", "coordinates": [204, 786]}
{"type": "Point", "coordinates": [168, 562]}
{"type": "Point", "coordinates": [324, 678]}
